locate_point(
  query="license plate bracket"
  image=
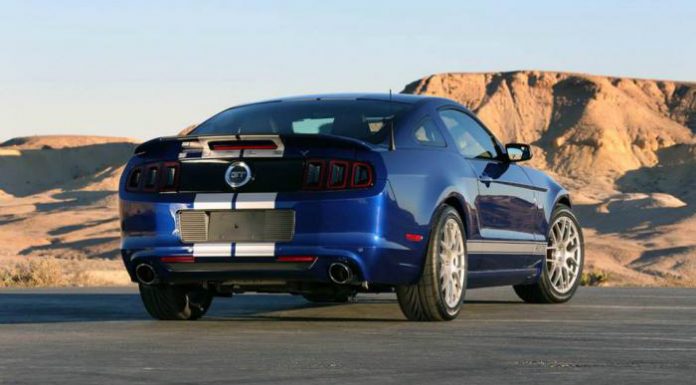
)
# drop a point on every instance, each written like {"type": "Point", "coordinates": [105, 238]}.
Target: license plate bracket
{"type": "Point", "coordinates": [263, 225]}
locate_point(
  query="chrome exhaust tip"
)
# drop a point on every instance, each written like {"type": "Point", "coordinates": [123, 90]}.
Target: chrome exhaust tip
{"type": "Point", "coordinates": [145, 274]}
{"type": "Point", "coordinates": [340, 273]}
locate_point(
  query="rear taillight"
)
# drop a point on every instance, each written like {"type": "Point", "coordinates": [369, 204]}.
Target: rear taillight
{"type": "Point", "coordinates": [135, 178]}
{"type": "Point", "coordinates": [170, 176]}
{"type": "Point", "coordinates": [336, 174]}
{"type": "Point", "coordinates": [314, 174]}
{"type": "Point", "coordinates": [362, 175]}
{"type": "Point", "coordinates": [154, 177]}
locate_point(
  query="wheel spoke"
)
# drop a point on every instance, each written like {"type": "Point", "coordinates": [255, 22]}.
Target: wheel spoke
{"type": "Point", "coordinates": [550, 259]}
{"type": "Point", "coordinates": [555, 233]}
{"type": "Point", "coordinates": [443, 245]}
{"type": "Point", "coordinates": [561, 230]}
{"type": "Point", "coordinates": [557, 280]}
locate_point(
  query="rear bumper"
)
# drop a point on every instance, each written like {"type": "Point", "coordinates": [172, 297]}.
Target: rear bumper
{"type": "Point", "coordinates": [373, 266]}
{"type": "Point", "coordinates": [249, 272]}
{"type": "Point", "coordinates": [354, 228]}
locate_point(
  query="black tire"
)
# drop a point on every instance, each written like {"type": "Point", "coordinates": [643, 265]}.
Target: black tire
{"type": "Point", "coordinates": [543, 290]}
{"type": "Point", "coordinates": [175, 303]}
{"type": "Point", "coordinates": [336, 297]}
{"type": "Point", "coordinates": [424, 300]}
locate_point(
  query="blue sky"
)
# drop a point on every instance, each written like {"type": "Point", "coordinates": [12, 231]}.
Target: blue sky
{"type": "Point", "coordinates": [149, 68]}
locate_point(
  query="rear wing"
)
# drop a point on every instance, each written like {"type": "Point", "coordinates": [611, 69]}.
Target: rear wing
{"type": "Point", "coordinates": [248, 146]}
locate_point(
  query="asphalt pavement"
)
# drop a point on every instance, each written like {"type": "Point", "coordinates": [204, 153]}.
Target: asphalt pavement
{"type": "Point", "coordinates": [103, 336]}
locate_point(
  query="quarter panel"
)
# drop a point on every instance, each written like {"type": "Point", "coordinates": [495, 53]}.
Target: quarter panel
{"type": "Point", "coordinates": [422, 179]}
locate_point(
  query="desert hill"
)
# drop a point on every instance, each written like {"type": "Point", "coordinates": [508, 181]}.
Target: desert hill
{"type": "Point", "coordinates": [625, 148]}
{"type": "Point", "coordinates": [59, 141]}
{"type": "Point", "coordinates": [58, 202]}
{"type": "Point", "coordinates": [37, 164]}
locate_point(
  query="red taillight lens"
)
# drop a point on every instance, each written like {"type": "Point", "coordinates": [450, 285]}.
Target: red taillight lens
{"type": "Point", "coordinates": [362, 175]}
{"type": "Point", "coordinates": [243, 145]}
{"type": "Point", "coordinates": [154, 177]}
{"type": "Point", "coordinates": [170, 176]}
{"type": "Point", "coordinates": [314, 174]}
{"type": "Point", "coordinates": [336, 174]}
{"type": "Point", "coordinates": [134, 179]}
{"type": "Point", "coordinates": [151, 178]}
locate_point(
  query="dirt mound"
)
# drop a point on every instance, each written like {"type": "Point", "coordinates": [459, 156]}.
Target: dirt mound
{"type": "Point", "coordinates": [60, 141]}
{"type": "Point", "coordinates": [37, 170]}
{"type": "Point", "coordinates": [625, 147]}
{"type": "Point", "coordinates": [58, 200]}
{"type": "Point", "coordinates": [5, 196]}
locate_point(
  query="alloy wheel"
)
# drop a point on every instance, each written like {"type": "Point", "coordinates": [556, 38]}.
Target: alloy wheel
{"type": "Point", "coordinates": [563, 256]}
{"type": "Point", "coordinates": [452, 262]}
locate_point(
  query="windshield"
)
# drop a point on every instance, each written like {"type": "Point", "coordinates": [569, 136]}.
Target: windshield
{"type": "Point", "coordinates": [359, 119]}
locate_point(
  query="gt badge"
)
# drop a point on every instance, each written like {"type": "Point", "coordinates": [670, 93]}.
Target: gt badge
{"type": "Point", "coordinates": [238, 174]}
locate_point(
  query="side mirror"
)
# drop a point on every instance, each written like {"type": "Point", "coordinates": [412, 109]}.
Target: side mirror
{"type": "Point", "coordinates": [518, 152]}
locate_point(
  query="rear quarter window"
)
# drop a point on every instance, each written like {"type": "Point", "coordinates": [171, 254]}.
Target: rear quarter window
{"type": "Point", "coordinates": [427, 134]}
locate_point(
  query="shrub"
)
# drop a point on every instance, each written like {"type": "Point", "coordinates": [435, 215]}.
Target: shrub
{"type": "Point", "coordinates": [594, 278]}
{"type": "Point", "coordinates": [33, 273]}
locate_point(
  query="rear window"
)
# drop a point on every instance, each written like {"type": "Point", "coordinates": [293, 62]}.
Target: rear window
{"type": "Point", "coordinates": [359, 119]}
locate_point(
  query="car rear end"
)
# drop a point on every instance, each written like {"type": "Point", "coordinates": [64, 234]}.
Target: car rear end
{"type": "Point", "coordinates": [269, 212]}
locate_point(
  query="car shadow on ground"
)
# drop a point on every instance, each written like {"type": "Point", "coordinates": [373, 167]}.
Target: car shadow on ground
{"type": "Point", "coordinates": [24, 308]}
{"type": "Point", "coordinates": [37, 308]}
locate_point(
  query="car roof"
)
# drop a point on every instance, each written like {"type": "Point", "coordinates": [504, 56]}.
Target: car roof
{"type": "Point", "coordinates": [396, 97]}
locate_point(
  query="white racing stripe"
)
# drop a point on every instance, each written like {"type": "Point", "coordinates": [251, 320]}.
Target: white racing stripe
{"type": "Point", "coordinates": [213, 201]}
{"type": "Point", "coordinates": [502, 247]}
{"type": "Point", "coordinates": [255, 201]}
{"type": "Point", "coordinates": [254, 249]}
{"type": "Point", "coordinates": [212, 250]}
{"type": "Point", "coordinates": [240, 201]}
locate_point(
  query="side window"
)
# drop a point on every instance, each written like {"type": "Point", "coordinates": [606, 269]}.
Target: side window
{"type": "Point", "coordinates": [472, 140]}
{"type": "Point", "coordinates": [427, 134]}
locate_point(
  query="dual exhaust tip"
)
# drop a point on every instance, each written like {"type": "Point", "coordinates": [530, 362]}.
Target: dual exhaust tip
{"type": "Point", "coordinates": [339, 272]}
{"type": "Point", "coordinates": [145, 274]}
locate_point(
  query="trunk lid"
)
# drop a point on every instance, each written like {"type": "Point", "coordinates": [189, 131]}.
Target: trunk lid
{"type": "Point", "coordinates": [278, 163]}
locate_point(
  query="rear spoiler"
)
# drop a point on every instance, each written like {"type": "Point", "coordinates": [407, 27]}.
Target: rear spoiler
{"type": "Point", "coordinates": [269, 145]}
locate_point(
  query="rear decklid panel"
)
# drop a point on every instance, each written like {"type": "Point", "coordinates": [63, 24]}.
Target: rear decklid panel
{"type": "Point", "coordinates": [277, 162]}
{"type": "Point", "coordinates": [269, 175]}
